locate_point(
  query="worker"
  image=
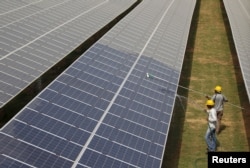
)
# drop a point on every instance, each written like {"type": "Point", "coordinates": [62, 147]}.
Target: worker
{"type": "Point", "coordinates": [210, 135]}
{"type": "Point", "coordinates": [219, 100]}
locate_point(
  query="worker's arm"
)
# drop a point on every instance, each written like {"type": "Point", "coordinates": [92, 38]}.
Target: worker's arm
{"type": "Point", "coordinates": [225, 99]}
{"type": "Point", "coordinates": [208, 97]}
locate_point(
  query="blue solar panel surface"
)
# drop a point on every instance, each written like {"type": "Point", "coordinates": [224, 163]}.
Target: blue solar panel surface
{"type": "Point", "coordinates": [103, 111]}
{"type": "Point", "coordinates": [239, 18]}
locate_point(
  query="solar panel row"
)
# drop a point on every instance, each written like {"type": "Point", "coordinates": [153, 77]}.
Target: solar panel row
{"type": "Point", "coordinates": [102, 111]}
{"type": "Point", "coordinates": [34, 36]}
{"type": "Point", "coordinates": [239, 18]}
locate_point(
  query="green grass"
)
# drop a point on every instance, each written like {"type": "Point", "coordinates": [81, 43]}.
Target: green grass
{"type": "Point", "coordinates": [210, 60]}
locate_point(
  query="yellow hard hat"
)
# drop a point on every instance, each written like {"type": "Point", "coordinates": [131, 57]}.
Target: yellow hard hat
{"type": "Point", "coordinates": [218, 89]}
{"type": "Point", "coordinates": [210, 103]}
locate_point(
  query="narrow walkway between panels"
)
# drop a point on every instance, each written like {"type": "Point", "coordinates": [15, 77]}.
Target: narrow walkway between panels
{"type": "Point", "coordinates": [210, 60]}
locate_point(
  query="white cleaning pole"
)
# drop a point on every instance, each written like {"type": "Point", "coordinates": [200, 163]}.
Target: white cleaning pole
{"type": "Point", "coordinates": [155, 77]}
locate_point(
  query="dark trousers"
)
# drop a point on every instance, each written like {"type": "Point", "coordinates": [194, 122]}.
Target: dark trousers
{"type": "Point", "coordinates": [219, 117]}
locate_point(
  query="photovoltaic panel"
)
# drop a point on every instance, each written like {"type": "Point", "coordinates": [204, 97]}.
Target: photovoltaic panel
{"type": "Point", "coordinates": [103, 111]}
{"type": "Point", "coordinates": [35, 35]}
{"type": "Point", "coordinates": [239, 18]}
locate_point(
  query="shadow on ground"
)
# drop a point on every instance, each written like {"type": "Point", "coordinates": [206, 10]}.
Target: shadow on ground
{"type": "Point", "coordinates": [173, 146]}
{"type": "Point", "coordinates": [240, 82]}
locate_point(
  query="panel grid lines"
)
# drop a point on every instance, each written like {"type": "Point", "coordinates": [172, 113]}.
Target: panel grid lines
{"type": "Point", "coordinates": [237, 12]}
{"type": "Point", "coordinates": [31, 31]}
{"type": "Point", "coordinates": [103, 111]}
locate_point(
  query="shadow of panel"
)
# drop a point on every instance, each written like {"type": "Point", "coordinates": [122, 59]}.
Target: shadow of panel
{"type": "Point", "coordinates": [173, 146]}
{"type": "Point", "coordinates": [244, 101]}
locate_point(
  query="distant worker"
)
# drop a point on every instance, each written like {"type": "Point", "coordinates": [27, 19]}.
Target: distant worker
{"type": "Point", "coordinates": [210, 135]}
{"type": "Point", "coordinates": [219, 100]}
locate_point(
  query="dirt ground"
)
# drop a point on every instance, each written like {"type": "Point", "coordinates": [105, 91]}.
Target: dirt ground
{"type": "Point", "coordinates": [184, 122]}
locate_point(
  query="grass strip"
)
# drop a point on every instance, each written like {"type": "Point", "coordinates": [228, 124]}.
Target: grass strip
{"type": "Point", "coordinates": [210, 60]}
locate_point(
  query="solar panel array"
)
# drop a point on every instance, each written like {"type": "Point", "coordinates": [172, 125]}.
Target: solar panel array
{"type": "Point", "coordinates": [103, 111]}
{"type": "Point", "coordinates": [239, 17]}
{"type": "Point", "coordinates": [35, 35]}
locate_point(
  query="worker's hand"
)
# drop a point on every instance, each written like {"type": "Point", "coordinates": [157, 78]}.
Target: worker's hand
{"type": "Point", "coordinates": [207, 97]}
{"type": "Point", "coordinates": [205, 110]}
